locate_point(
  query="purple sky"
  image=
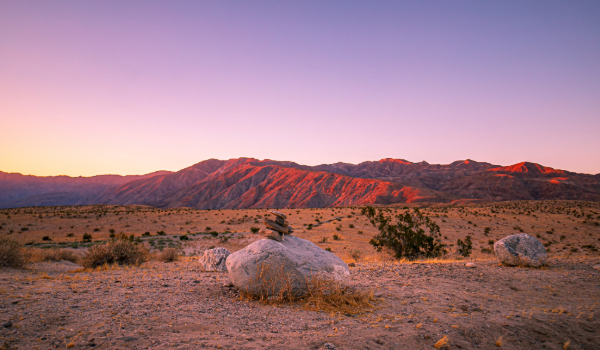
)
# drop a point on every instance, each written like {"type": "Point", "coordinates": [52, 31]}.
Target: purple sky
{"type": "Point", "coordinates": [131, 87]}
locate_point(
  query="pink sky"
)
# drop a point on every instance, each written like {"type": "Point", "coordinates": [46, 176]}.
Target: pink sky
{"type": "Point", "coordinates": [132, 87]}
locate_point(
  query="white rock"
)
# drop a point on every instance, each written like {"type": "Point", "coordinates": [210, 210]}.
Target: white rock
{"type": "Point", "coordinates": [214, 259]}
{"type": "Point", "coordinates": [596, 267]}
{"type": "Point", "coordinates": [268, 267]}
{"type": "Point", "coordinates": [521, 250]}
{"type": "Point", "coordinates": [470, 265]}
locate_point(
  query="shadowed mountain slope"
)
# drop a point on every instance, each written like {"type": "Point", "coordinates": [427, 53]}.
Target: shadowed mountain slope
{"type": "Point", "coordinates": [17, 190]}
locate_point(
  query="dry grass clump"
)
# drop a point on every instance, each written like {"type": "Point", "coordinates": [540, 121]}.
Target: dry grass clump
{"type": "Point", "coordinates": [317, 293]}
{"type": "Point", "coordinates": [167, 255]}
{"type": "Point", "coordinates": [11, 254]}
{"type": "Point", "coordinates": [121, 251]}
{"type": "Point", "coordinates": [41, 255]}
{"type": "Point", "coordinates": [333, 296]}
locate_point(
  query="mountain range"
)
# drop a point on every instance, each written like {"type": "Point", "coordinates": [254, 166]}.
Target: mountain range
{"type": "Point", "coordinates": [252, 183]}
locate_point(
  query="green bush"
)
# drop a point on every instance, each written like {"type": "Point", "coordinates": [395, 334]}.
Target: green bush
{"type": "Point", "coordinates": [465, 248]}
{"type": "Point", "coordinates": [254, 229]}
{"type": "Point", "coordinates": [11, 254]}
{"type": "Point", "coordinates": [146, 234]}
{"type": "Point", "coordinates": [87, 237]}
{"type": "Point", "coordinates": [120, 251]}
{"type": "Point", "coordinates": [161, 233]}
{"type": "Point", "coordinates": [406, 238]}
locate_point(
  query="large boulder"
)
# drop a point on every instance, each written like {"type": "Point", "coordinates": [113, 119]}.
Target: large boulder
{"type": "Point", "coordinates": [271, 268]}
{"type": "Point", "coordinates": [214, 259]}
{"type": "Point", "coordinates": [521, 250]}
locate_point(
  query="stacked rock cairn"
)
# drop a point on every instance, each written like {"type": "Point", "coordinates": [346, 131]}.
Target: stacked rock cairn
{"type": "Point", "coordinates": [276, 229]}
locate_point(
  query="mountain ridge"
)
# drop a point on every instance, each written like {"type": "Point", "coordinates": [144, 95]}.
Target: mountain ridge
{"type": "Point", "coordinates": [254, 183]}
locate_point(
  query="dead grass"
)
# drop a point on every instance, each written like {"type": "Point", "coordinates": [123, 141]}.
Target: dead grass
{"type": "Point", "coordinates": [41, 255]}
{"type": "Point", "coordinates": [167, 255]}
{"type": "Point", "coordinates": [121, 252]}
{"type": "Point", "coordinates": [275, 286]}
{"type": "Point", "coordinates": [11, 254]}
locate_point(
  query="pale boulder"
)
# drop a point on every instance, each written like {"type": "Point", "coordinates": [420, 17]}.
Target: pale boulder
{"type": "Point", "coordinates": [268, 268]}
{"type": "Point", "coordinates": [214, 259]}
{"type": "Point", "coordinates": [521, 250]}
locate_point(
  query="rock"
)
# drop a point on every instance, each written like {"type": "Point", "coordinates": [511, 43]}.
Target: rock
{"type": "Point", "coordinates": [328, 346]}
{"type": "Point", "coordinates": [470, 265]}
{"type": "Point", "coordinates": [268, 268]}
{"type": "Point", "coordinates": [520, 250]}
{"type": "Point", "coordinates": [278, 214]}
{"type": "Point", "coordinates": [214, 259]}
{"type": "Point", "coordinates": [7, 324]}
{"type": "Point", "coordinates": [596, 267]}
{"type": "Point", "coordinates": [267, 233]}
{"type": "Point", "coordinates": [276, 227]}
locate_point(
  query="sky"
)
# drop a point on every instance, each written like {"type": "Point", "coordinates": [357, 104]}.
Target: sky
{"type": "Point", "coordinates": [131, 87]}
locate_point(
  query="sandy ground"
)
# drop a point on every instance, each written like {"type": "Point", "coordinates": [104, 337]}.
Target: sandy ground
{"type": "Point", "coordinates": [176, 305]}
{"type": "Point", "coordinates": [567, 228]}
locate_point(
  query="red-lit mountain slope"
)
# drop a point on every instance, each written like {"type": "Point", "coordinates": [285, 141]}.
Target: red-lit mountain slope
{"type": "Point", "coordinates": [249, 183]}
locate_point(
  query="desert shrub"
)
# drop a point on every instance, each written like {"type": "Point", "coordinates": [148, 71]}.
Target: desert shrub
{"type": "Point", "coordinates": [487, 250]}
{"type": "Point", "coordinates": [328, 249]}
{"type": "Point", "coordinates": [184, 238]}
{"type": "Point", "coordinates": [120, 251]}
{"type": "Point", "coordinates": [254, 229]}
{"type": "Point", "coordinates": [87, 237]}
{"type": "Point", "coordinates": [161, 233]}
{"type": "Point", "coordinates": [112, 235]}
{"type": "Point", "coordinates": [46, 238]}
{"type": "Point", "coordinates": [11, 254]}
{"type": "Point", "coordinates": [309, 227]}
{"type": "Point", "coordinates": [486, 230]}
{"type": "Point", "coordinates": [356, 254]}
{"type": "Point", "coordinates": [70, 234]}
{"type": "Point", "coordinates": [41, 255]}
{"type": "Point", "coordinates": [112, 230]}
{"type": "Point", "coordinates": [336, 238]}
{"type": "Point", "coordinates": [465, 248]}
{"type": "Point", "coordinates": [406, 238]}
{"type": "Point", "coordinates": [167, 255]}
{"type": "Point", "coordinates": [351, 225]}
{"type": "Point", "coordinates": [146, 234]}
{"type": "Point", "coordinates": [324, 239]}
{"type": "Point", "coordinates": [360, 232]}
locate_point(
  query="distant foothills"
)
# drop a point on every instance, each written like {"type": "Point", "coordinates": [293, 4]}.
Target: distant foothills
{"type": "Point", "coordinates": [252, 183]}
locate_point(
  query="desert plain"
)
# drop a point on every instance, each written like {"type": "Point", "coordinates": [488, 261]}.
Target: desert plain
{"type": "Point", "coordinates": [420, 304]}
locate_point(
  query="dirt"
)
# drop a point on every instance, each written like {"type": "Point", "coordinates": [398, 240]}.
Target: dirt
{"type": "Point", "coordinates": [176, 305]}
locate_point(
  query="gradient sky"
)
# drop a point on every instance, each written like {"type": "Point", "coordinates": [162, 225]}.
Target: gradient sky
{"type": "Point", "coordinates": [130, 87]}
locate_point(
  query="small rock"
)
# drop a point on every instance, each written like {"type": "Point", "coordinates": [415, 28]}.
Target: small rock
{"type": "Point", "coordinates": [214, 259]}
{"type": "Point", "coordinates": [470, 265]}
{"type": "Point", "coordinates": [521, 250]}
{"type": "Point", "coordinates": [270, 234]}
{"type": "Point", "coordinates": [596, 267]}
{"type": "Point", "coordinates": [7, 324]}
{"type": "Point", "coordinates": [328, 346]}
{"type": "Point", "coordinates": [278, 214]}
{"type": "Point", "coordinates": [352, 264]}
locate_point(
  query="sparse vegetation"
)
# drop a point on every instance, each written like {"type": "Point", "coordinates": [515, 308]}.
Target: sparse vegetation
{"type": "Point", "coordinates": [406, 238]}
{"type": "Point", "coordinates": [11, 254]}
{"type": "Point", "coordinates": [465, 247]}
{"type": "Point", "coordinates": [119, 251]}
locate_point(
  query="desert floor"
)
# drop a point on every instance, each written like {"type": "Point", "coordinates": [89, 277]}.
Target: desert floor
{"type": "Point", "coordinates": [176, 305]}
{"type": "Point", "coordinates": [166, 305]}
